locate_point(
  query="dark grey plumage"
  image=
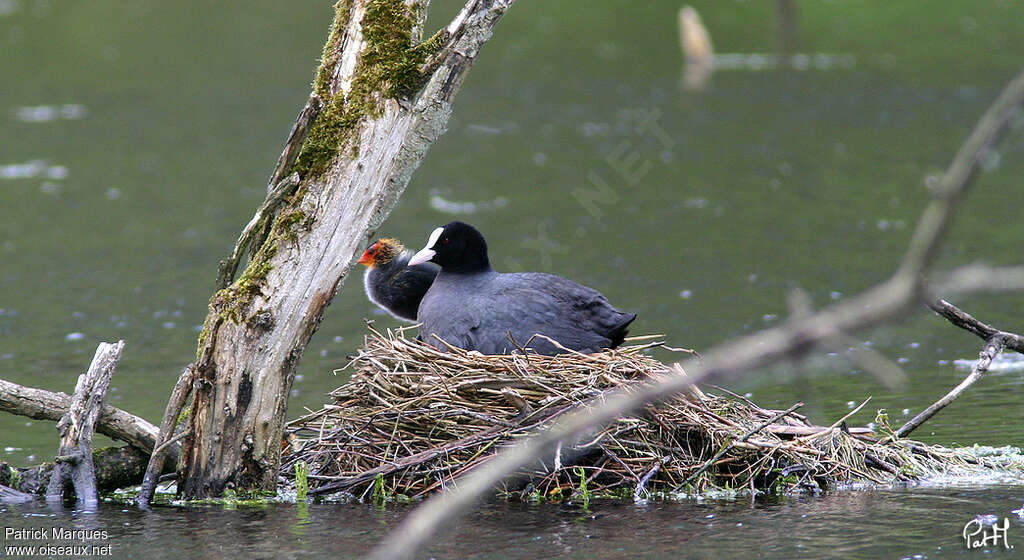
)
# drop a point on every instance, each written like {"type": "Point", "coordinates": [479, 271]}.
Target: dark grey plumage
{"type": "Point", "coordinates": [471, 306]}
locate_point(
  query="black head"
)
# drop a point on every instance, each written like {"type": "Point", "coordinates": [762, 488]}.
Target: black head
{"type": "Point", "coordinates": [456, 247]}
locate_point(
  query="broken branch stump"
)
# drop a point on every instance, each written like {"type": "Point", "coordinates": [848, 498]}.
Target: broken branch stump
{"type": "Point", "coordinates": [166, 438]}
{"type": "Point", "coordinates": [74, 459]}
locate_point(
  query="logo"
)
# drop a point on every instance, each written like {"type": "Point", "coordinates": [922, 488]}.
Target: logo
{"type": "Point", "coordinates": [986, 530]}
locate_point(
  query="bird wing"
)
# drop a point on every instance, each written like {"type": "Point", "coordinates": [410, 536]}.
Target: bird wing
{"type": "Point", "coordinates": [535, 303]}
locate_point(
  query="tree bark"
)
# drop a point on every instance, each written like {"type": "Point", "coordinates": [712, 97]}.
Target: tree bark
{"type": "Point", "coordinates": [385, 96]}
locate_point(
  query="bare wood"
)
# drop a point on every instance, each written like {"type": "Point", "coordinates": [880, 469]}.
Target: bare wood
{"type": "Point", "coordinates": [74, 459]}
{"type": "Point", "coordinates": [9, 495]}
{"type": "Point", "coordinates": [995, 342]}
{"type": "Point", "coordinates": [985, 357]}
{"type": "Point", "coordinates": [281, 184]}
{"type": "Point", "coordinates": [255, 228]}
{"type": "Point", "coordinates": [640, 486]}
{"type": "Point", "coordinates": [166, 439]}
{"type": "Point", "coordinates": [889, 300]}
{"type": "Point", "coordinates": [257, 327]}
{"type": "Point", "coordinates": [296, 137]}
{"type": "Point", "coordinates": [113, 422]}
{"type": "Point", "coordinates": [966, 321]}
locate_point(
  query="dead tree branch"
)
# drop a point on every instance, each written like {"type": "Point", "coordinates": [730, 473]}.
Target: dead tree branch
{"type": "Point", "coordinates": [113, 422]}
{"type": "Point", "coordinates": [995, 342]}
{"type": "Point", "coordinates": [165, 440]}
{"type": "Point", "coordinates": [116, 467]}
{"type": "Point", "coordinates": [74, 459]}
{"type": "Point", "coordinates": [992, 349]}
{"type": "Point", "coordinates": [966, 321]}
{"type": "Point", "coordinates": [885, 302]}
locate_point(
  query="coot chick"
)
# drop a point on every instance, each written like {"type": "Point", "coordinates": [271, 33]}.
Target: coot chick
{"type": "Point", "coordinates": [391, 283]}
{"type": "Point", "coordinates": [473, 307]}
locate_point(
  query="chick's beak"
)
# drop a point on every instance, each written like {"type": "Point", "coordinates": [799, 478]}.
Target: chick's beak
{"type": "Point", "coordinates": [366, 259]}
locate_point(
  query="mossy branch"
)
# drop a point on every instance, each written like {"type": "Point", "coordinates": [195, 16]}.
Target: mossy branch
{"type": "Point", "coordinates": [389, 67]}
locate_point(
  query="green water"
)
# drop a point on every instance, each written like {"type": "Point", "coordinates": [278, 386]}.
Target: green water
{"type": "Point", "coordinates": [155, 125]}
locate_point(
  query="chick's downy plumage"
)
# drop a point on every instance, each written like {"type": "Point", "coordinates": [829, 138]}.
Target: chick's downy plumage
{"type": "Point", "coordinates": [390, 283]}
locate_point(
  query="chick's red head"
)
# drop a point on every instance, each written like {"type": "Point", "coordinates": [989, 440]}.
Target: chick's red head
{"type": "Point", "coordinates": [380, 252]}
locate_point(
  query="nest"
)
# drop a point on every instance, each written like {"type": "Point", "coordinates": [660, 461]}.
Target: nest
{"type": "Point", "coordinates": [413, 419]}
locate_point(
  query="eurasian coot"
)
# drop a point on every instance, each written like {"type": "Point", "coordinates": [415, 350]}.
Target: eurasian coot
{"type": "Point", "coordinates": [473, 307]}
{"type": "Point", "coordinates": [390, 283]}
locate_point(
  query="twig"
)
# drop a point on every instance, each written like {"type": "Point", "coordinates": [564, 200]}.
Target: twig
{"type": "Point", "coordinates": [164, 440]}
{"type": "Point", "coordinates": [113, 422]}
{"type": "Point", "coordinates": [966, 321]}
{"type": "Point", "coordinates": [640, 486]}
{"type": "Point", "coordinates": [992, 349]}
{"type": "Point", "coordinates": [253, 229]}
{"type": "Point", "coordinates": [837, 423]}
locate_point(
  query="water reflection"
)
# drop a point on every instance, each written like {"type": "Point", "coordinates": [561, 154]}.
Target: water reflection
{"type": "Point", "coordinates": [702, 211]}
{"type": "Point", "coordinates": [858, 524]}
{"type": "Point", "coordinates": [47, 113]}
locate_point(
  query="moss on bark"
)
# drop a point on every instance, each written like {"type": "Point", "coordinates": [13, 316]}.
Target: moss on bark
{"type": "Point", "coordinates": [388, 68]}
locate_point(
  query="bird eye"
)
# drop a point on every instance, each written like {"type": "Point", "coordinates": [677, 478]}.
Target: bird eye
{"type": "Point", "coordinates": [445, 241]}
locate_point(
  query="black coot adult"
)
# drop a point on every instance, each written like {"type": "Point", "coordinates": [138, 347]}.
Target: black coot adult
{"type": "Point", "coordinates": [391, 283]}
{"type": "Point", "coordinates": [473, 307]}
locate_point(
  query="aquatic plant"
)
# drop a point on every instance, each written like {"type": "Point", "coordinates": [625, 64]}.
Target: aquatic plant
{"type": "Point", "coordinates": [301, 481]}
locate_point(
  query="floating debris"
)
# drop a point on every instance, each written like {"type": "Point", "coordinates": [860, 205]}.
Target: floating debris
{"type": "Point", "coordinates": [698, 52]}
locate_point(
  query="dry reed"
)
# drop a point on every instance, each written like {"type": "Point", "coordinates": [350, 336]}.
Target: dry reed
{"type": "Point", "coordinates": [413, 419]}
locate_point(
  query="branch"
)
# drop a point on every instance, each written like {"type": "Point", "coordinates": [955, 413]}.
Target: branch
{"type": "Point", "coordinates": [985, 357]}
{"type": "Point", "coordinates": [882, 303]}
{"type": "Point", "coordinates": [116, 467]}
{"type": "Point", "coordinates": [257, 225]}
{"type": "Point", "coordinates": [164, 441]}
{"type": "Point", "coordinates": [74, 458]}
{"type": "Point", "coordinates": [938, 215]}
{"type": "Point", "coordinates": [966, 321]}
{"type": "Point", "coordinates": [113, 422]}
{"type": "Point", "coordinates": [982, 278]}
{"type": "Point", "coordinates": [995, 342]}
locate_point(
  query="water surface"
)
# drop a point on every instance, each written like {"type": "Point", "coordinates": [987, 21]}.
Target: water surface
{"type": "Point", "coordinates": [135, 142]}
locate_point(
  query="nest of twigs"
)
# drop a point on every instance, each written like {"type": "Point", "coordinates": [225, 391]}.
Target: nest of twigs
{"type": "Point", "coordinates": [413, 419]}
